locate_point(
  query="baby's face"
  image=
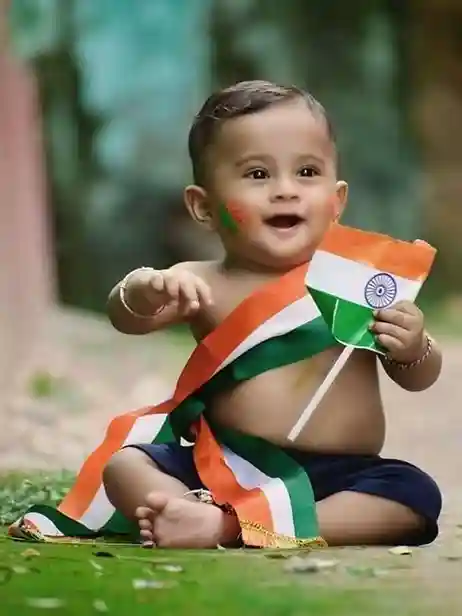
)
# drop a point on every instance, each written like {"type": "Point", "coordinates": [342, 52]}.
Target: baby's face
{"type": "Point", "coordinates": [277, 168]}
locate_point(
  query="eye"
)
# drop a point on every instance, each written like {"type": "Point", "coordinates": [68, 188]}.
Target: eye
{"type": "Point", "coordinates": [309, 171]}
{"type": "Point", "coordinates": [257, 174]}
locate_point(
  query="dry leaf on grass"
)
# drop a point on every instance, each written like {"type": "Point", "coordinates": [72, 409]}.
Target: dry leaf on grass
{"type": "Point", "coordinates": [45, 603]}
{"type": "Point", "coordinates": [30, 553]}
{"type": "Point", "coordinates": [170, 568]}
{"type": "Point", "coordinates": [151, 584]}
{"type": "Point", "coordinates": [95, 565]}
{"type": "Point", "coordinates": [100, 606]}
{"type": "Point", "coordinates": [19, 570]}
{"type": "Point", "coordinates": [400, 550]}
{"type": "Point", "coordinates": [297, 564]}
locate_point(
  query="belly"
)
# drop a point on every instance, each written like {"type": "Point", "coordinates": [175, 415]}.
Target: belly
{"type": "Point", "coordinates": [348, 420]}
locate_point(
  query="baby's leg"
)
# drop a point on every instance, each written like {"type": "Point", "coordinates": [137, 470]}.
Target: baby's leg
{"type": "Point", "coordinates": [137, 487]}
{"type": "Point", "coordinates": [351, 518]}
{"type": "Point", "coordinates": [390, 503]}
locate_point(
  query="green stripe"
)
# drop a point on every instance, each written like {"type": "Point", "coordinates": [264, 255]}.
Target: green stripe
{"type": "Point", "coordinates": [276, 463]}
{"type": "Point", "coordinates": [349, 321]}
{"type": "Point", "coordinates": [301, 343]}
{"type": "Point", "coordinates": [69, 527]}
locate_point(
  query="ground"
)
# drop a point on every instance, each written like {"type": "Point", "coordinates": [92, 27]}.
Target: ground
{"type": "Point", "coordinates": [86, 373]}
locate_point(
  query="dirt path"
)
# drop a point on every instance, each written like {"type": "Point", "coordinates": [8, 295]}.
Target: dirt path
{"type": "Point", "coordinates": [97, 373]}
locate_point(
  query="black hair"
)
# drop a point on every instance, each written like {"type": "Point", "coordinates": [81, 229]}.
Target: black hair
{"type": "Point", "coordinates": [240, 99]}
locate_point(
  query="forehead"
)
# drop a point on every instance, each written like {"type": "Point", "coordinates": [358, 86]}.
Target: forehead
{"type": "Point", "coordinates": [280, 128]}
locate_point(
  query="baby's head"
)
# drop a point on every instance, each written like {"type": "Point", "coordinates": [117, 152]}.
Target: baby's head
{"type": "Point", "coordinates": [265, 172]}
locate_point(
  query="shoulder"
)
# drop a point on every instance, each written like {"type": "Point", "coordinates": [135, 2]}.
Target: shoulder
{"type": "Point", "coordinates": [204, 269]}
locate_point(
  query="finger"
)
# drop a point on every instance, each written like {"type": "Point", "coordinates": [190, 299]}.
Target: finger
{"type": "Point", "coordinates": [204, 292]}
{"type": "Point", "coordinates": [392, 344]}
{"type": "Point", "coordinates": [396, 317]}
{"type": "Point", "coordinates": [187, 295]}
{"type": "Point", "coordinates": [390, 329]}
{"type": "Point", "coordinates": [422, 243]}
{"type": "Point", "coordinates": [172, 286]}
{"type": "Point", "coordinates": [157, 281]}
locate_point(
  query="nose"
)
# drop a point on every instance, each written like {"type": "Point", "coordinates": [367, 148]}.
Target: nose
{"type": "Point", "coordinates": [285, 189]}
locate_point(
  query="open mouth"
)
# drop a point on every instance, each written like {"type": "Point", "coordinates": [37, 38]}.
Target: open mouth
{"type": "Point", "coordinates": [284, 221]}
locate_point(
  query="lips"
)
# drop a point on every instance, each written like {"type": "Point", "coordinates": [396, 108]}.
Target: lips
{"type": "Point", "coordinates": [284, 221]}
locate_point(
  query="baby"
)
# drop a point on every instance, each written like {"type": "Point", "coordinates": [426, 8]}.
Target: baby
{"type": "Point", "coordinates": [269, 152]}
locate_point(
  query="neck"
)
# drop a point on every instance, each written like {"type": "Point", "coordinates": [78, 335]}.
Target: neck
{"type": "Point", "coordinates": [238, 263]}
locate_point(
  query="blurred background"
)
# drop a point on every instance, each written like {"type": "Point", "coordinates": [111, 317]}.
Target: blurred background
{"type": "Point", "coordinates": [96, 99]}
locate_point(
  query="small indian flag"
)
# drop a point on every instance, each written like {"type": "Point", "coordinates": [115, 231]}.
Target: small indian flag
{"type": "Point", "coordinates": [352, 274]}
{"type": "Point", "coordinates": [355, 272]}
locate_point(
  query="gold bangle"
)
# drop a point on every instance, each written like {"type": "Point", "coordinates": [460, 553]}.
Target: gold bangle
{"type": "Point", "coordinates": [413, 364]}
{"type": "Point", "coordinates": [123, 300]}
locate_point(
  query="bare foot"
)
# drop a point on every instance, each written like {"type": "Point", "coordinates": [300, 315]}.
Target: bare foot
{"type": "Point", "coordinates": [172, 522]}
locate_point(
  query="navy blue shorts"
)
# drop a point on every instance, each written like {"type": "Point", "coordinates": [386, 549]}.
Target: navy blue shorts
{"type": "Point", "coordinates": [329, 474]}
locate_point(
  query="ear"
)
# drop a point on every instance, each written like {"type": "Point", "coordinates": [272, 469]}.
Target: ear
{"type": "Point", "coordinates": [340, 199]}
{"type": "Point", "coordinates": [196, 201]}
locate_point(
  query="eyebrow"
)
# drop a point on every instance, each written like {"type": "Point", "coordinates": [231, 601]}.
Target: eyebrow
{"type": "Point", "coordinates": [242, 161]}
{"type": "Point", "coordinates": [266, 158]}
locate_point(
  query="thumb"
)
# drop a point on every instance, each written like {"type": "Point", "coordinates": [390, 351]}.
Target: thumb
{"type": "Point", "coordinates": [422, 243]}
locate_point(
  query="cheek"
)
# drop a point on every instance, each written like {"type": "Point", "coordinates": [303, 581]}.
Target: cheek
{"type": "Point", "coordinates": [324, 206]}
{"type": "Point", "coordinates": [236, 215]}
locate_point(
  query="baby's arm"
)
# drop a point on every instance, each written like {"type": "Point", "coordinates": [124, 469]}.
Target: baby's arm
{"type": "Point", "coordinates": [147, 300]}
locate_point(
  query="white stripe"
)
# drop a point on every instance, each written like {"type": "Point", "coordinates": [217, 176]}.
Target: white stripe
{"type": "Point", "coordinates": [289, 318]}
{"type": "Point", "coordinates": [250, 477]}
{"type": "Point", "coordinates": [99, 512]}
{"type": "Point", "coordinates": [146, 427]}
{"type": "Point", "coordinates": [347, 279]}
{"type": "Point", "coordinates": [44, 524]}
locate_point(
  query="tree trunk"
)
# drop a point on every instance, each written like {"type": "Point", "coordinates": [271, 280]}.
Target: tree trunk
{"type": "Point", "coordinates": [436, 71]}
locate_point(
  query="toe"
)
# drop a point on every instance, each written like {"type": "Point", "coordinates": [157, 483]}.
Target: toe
{"type": "Point", "coordinates": [145, 524]}
{"type": "Point", "coordinates": [144, 513]}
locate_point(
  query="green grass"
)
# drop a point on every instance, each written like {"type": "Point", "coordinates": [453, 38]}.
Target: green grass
{"type": "Point", "coordinates": [211, 583]}
{"type": "Point", "coordinates": [78, 579]}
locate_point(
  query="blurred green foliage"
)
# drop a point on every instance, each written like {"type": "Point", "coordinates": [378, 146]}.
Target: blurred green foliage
{"type": "Point", "coordinates": [121, 81]}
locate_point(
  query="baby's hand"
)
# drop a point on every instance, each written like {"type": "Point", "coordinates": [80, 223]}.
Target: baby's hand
{"type": "Point", "coordinates": [155, 289]}
{"type": "Point", "coordinates": [400, 330]}
{"type": "Point", "coordinates": [181, 287]}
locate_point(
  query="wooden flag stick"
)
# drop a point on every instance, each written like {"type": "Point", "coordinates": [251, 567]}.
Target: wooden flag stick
{"type": "Point", "coordinates": [321, 392]}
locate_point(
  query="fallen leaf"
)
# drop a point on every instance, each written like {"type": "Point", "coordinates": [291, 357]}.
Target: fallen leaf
{"type": "Point", "coordinates": [452, 557]}
{"type": "Point", "coordinates": [278, 555]}
{"type": "Point", "coordinates": [20, 570]}
{"type": "Point", "coordinates": [95, 565]}
{"type": "Point", "coordinates": [151, 584]}
{"type": "Point", "coordinates": [45, 603]}
{"type": "Point", "coordinates": [100, 606]}
{"type": "Point", "coordinates": [400, 550]}
{"type": "Point", "coordinates": [30, 553]}
{"type": "Point", "coordinates": [170, 568]}
{"type": "Point", "coordinates": [296, 564]}
{"type": "Point", "coordinates": [103, 554]}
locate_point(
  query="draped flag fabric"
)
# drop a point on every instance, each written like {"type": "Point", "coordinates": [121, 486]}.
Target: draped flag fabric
{"type": "Point", "coordinates": [277, 325]}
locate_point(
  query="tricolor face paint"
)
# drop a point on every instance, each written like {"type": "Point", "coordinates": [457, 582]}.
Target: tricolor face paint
{"type": "Point", "coordinates": [231, 217]}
